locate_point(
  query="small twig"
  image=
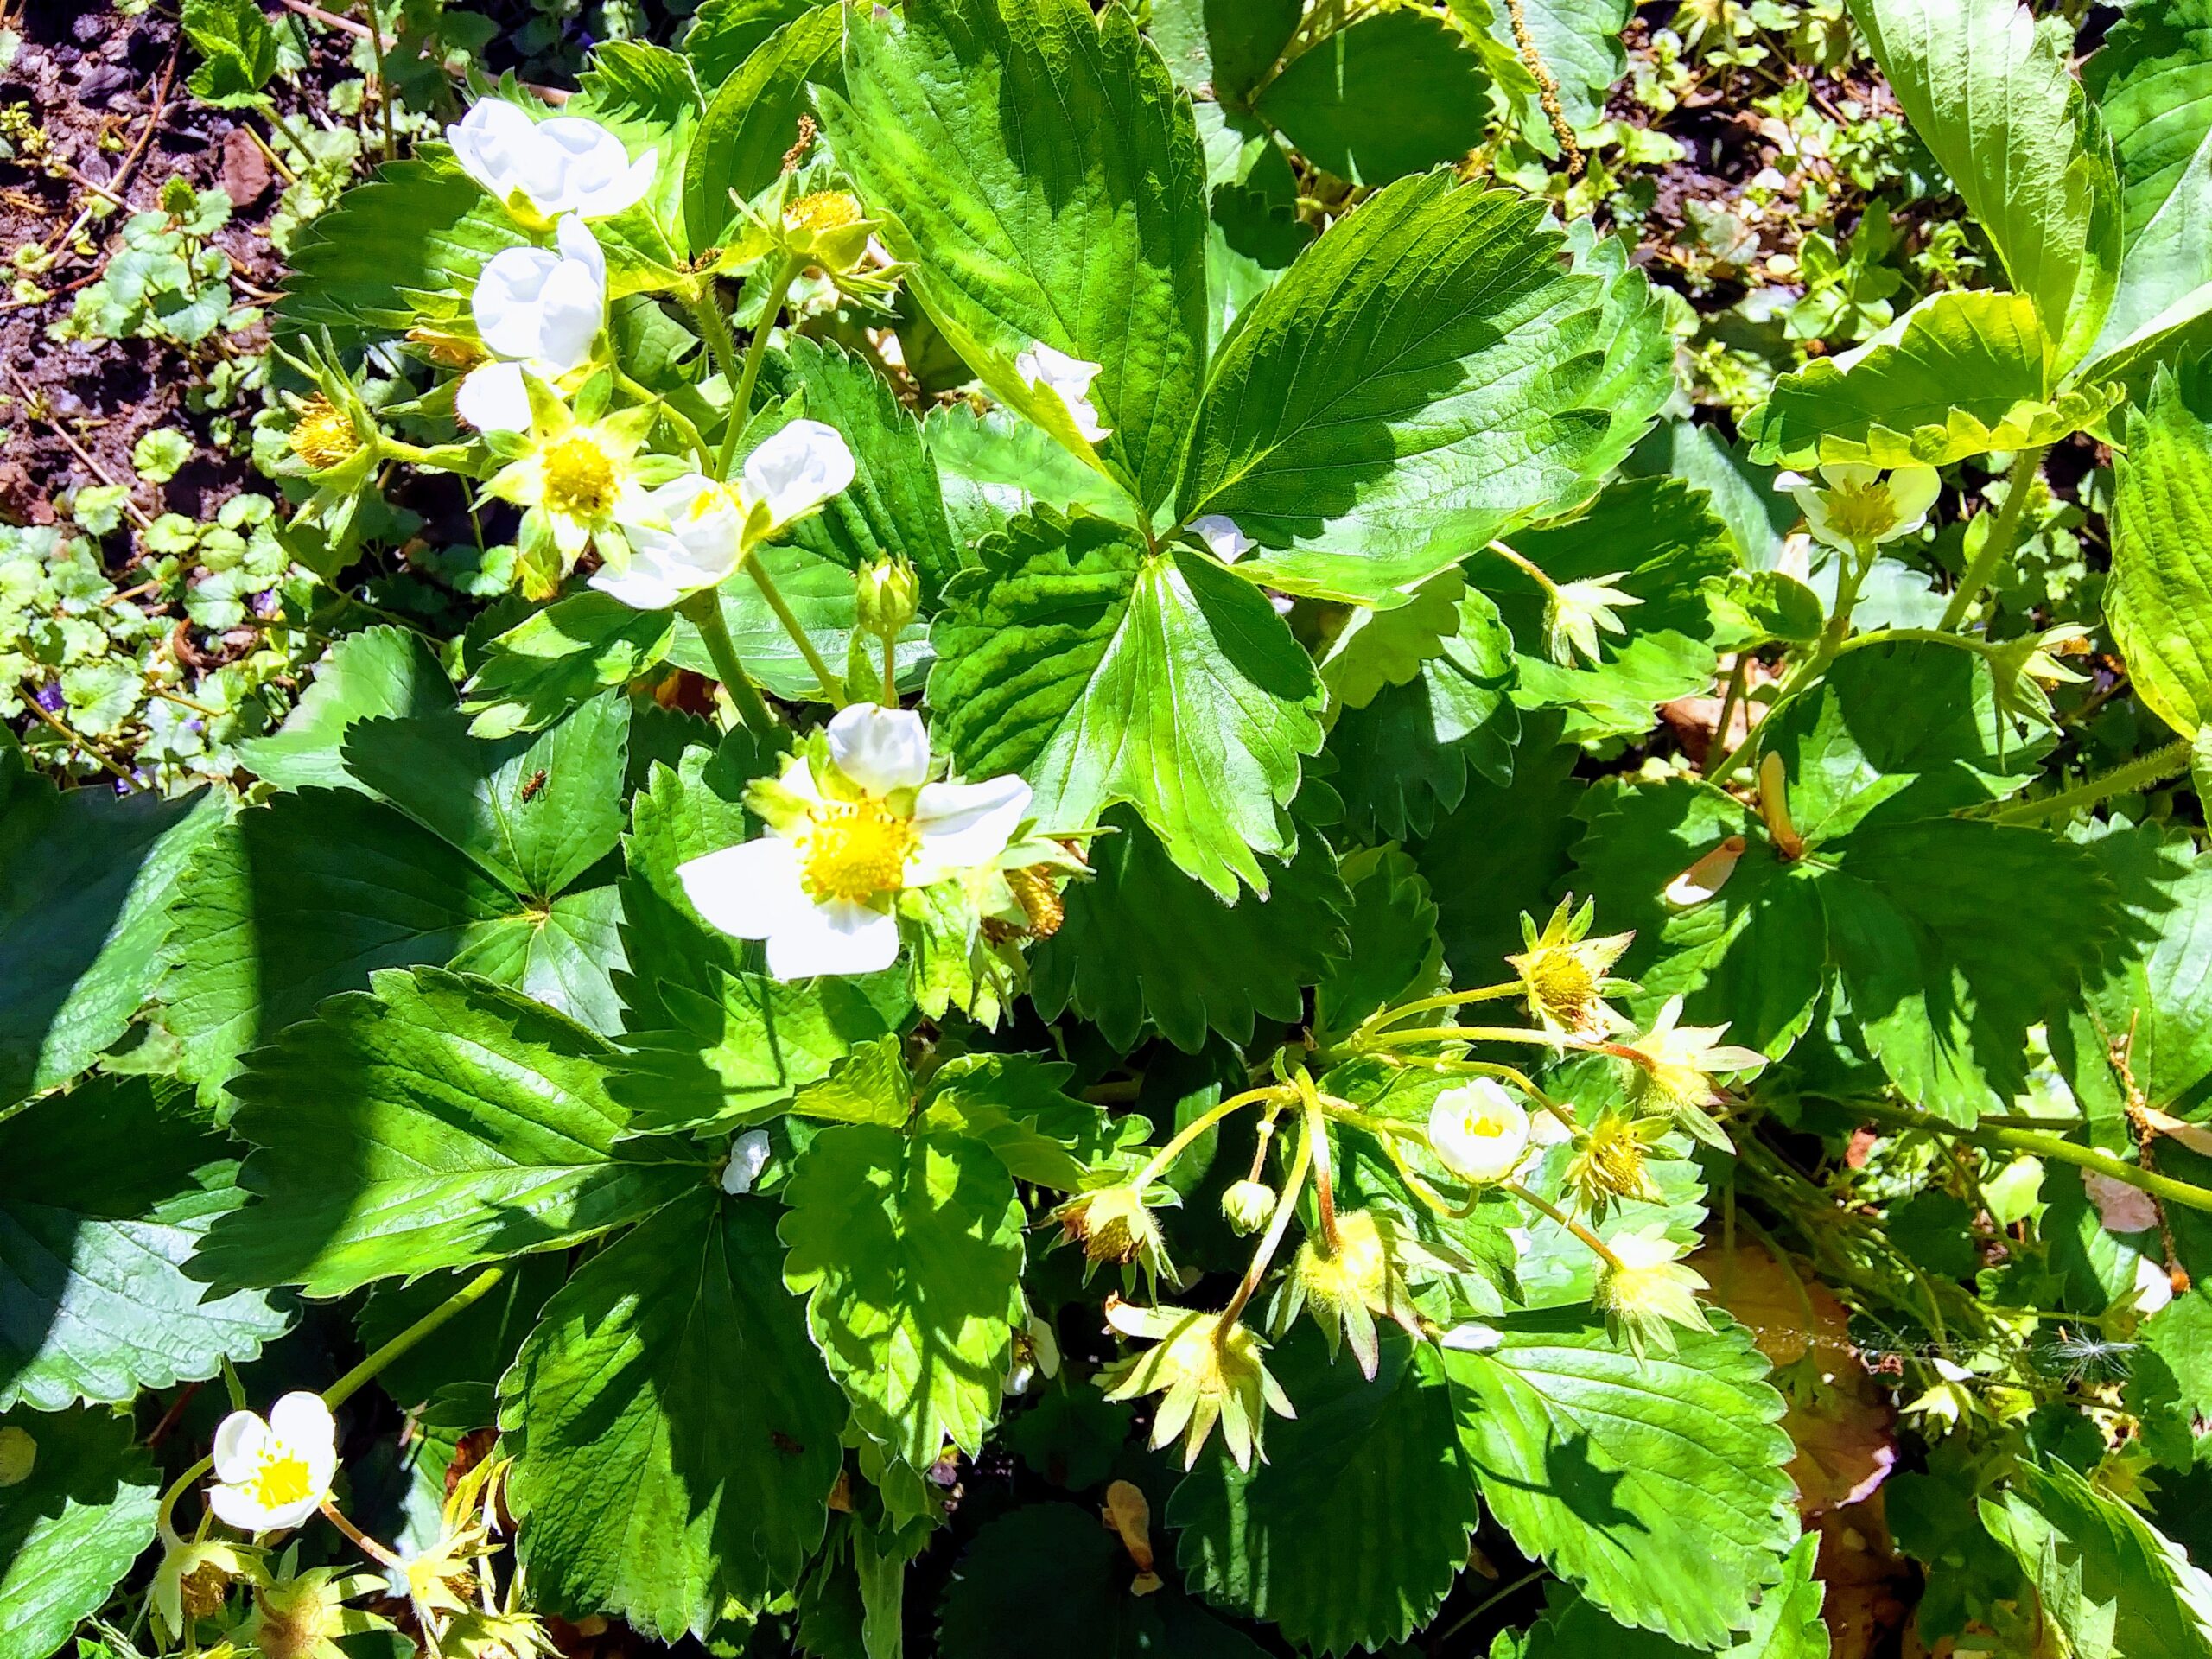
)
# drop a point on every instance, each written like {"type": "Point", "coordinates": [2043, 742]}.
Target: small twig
{"type": "Point", "coordinates": [78, 741]}
{"type": "Point", "coordinates": [327, 19]}
{"type": "Point", "coordinates": [30, 401]}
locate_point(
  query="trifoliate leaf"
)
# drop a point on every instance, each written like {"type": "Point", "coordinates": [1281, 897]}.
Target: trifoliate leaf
{"type": "Point", "coordinates": [2106, 1578]}
{"type": "Point", "coordinates": [71, 1530]}
{"type": "Point", "coordinates": [1396, 94]}
{"type": "Point", "coordinates": [1408, 754]}
{"type": "Point", "coordinates": [1351, 1534]}
{"type": "Point", "coordinates": [1655, 1485]}
{"type": "Point", "coordinates": [1414, 384]}
{"type": "Point", "coordinates": [555, 658]}
{"type": "Point", "coordinates": [908, 1249]}
{"type": "Point", "coordinates": [92, 1247]}
{"type": "Point", "coordinates": [1104, 672]}
{"type": "Point", "coordinates": [1991, 95]}
{"type": "Point", "coordinates": [1018, 1107]}
{"type": "Point", "coordinates": [1962, 373]}
{"type": "Point", "coordinates": [1143, 941]}
{"type": "Point", "coordinates": [433, 1122]}
{"type": "Point", "coordinates": [675, 1435]}
{"type": "Point", "coordinates": [1787, 1626]}
{"type": "Point", "coordinates": [1085, 232]}
{"type": "Point", "coordinates": [83, 877]}
{"type": "Point", "coordinates": [2160, 599]}
{"type": "Point", "coordinates": [1379, 649]}
{"type": "Point", "coordinates": [1046, 1581]}
{"type": "Point", "coordinates": [382, 672]}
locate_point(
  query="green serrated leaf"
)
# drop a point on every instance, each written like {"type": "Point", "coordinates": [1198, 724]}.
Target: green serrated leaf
{"type": "Point", "coordinates": [1653, 1485]}
{"type": "Point", "coordinates": [432, 1122]}
{"type": "Point", "coordinates": [908, 1249]}
{"type": "Point", "coordinates": [994, 467]}
{"type": "Point", "coordinates": [1391, 951]}
{"type": "Point", "coordinates": [1396, 94]}
{"type": "Point", "coordinates": [674, 1433]}
{"type": "Point", "coordinates": [71, 1530]}
{"type": "Point", "coordinates": [84, 878]}
{"type": "Point", "coordinates": [1104, 672]}
{"type": "Point", "coordinates": [556, 659]}
{"type": "Point", "coordinates": [1144, 942]}
{"type": "Point", "coordinates": [1961, 374]}
{"type": "Point", "coordinates": [1351, 1533]}
{"type": "Point", "coordinates": [1416, 381]}
{"type": "Point", "coordinates": [92, 1249]}
{"type": "Point", "coordinates": [1019, 1108]}
{"type": "Point", "coordinates": [1085, 231]}
{"type": "Point", "coordinates": [753, 117]}
{"type": "Point", "coordinates": [381, 672]}
{"type": "Point", "coordinates": [2159, 601]}
{"type": "Point", "coordinates": [1788, 1624]}
{"type": "Point", "coordinates": [1380, 649]}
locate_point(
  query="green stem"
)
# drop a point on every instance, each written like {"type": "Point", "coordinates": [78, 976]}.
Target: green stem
{"type": "Point", "coordinates": [2002, 535]}
{"type": "Point", "coordinates": [1730, 698]}
{"type": "Point", "coordinates": [1391, 1017]}
{"type": "Point", "coordinates": [1191, 1131]}
{"type": "Point", "coordinates": [1324, 1189]}
{"type": "Point", "coordinates": [704, 612]}
{"type": "Point", "coordinates": [685, 428]}
{"type": "Point", "coordinates": [1300, 1163]}
{"type": "Point", "coordinates": [890, 670]}
{"type": "Point", "coordinates": [740, 403]}
{"type": "Point", "coordinates": [462, 1299]}
{"type": "Point", "coordinates": [2044, 1145]}
{"type": "Point", "coordinates": [2158, 765]}
{"type": "Point", "coordinates": [722, 349]}
{"type": "Point", "coordinates": [1470, 1034]}
{"type": "Point", "coordinates": [1833, 641]}
{"type": "Point", "coordinates": [832, 687]}
{"type": "Point", "coordinates": [1597, 1246]}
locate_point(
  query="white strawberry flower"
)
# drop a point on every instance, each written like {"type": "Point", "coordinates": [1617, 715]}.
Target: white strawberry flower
{"type": "Point", "coordinates": [1479, 1130]}
{"type": "Point", "coordinates": [692, 532]}
{"type": "Point", "coordinates": [273, 1473]}
{"type": "Point", "coordinates": [539, 170]}
{"type": "Point", "coordinates": [1855, 506]}
{"type": "Point", "coordinates": [1043, 368]}
{"type": "Point", "coordinates": [1221, 536]}
{"type": "Point", "coordinates": [536, 309]}
{"type": "Point", "coordinates": [845, 840]}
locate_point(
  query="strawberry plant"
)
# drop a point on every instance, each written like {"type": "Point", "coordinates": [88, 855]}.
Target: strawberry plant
{"type": "Point", "coordinates": [1143, 919]}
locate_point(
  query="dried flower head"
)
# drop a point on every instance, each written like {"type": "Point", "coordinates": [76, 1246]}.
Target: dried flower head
{"type": "Point", "coordinates": [1563, 972]}
{"type": "Point", "coordinates": [1115, 1223]}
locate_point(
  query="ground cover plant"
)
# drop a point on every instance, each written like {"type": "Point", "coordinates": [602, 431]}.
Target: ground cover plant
{"type": "Point", "coordinates": [994, 828]}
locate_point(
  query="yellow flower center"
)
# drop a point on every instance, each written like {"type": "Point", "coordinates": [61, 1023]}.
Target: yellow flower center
{"type": "Point", "coordinates": [324, 436]}
{"type": "Point", "coordinates": [824, 210]}
{"type": "Point", "coordinates": [855, 850]}
{"type": "Point", "coordinates": [1560, 984]}
{"type": "Point", "coordinates": [1487, 1125]}
{"type": "Point", "coordinates": [579, 478]}
{"type": "Point", "coordinates": [283, 1477]}
{"type": "Point", "coordinates": [1862, 512]}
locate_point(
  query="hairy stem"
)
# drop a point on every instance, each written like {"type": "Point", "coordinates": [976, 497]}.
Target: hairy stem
{"type": "Point", "coordinates": [1597, 1246]}
{"type": "Point", "coordinates": [2002, 535]}
{"type": "Point", "coordinates": [704, 612]}
{"type": "Point", "coordinates": [740, 403]}
{"type": "Point", "coordinates": [1300, 1161]}
{"type": "Point", "coordinates": [833, 688]}
{"type": "Point", "coordinates": [1197, 1127]}
{"type": "Point", "coordinates": [462, 1299]}
{"type": "Point", "coordinates": [2042, 1144]}
{"type": "Point", "coordinates": [2154, 767]}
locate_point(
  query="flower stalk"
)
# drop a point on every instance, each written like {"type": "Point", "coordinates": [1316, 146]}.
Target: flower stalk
{"type": "Point", "coordinates": [704, 612]}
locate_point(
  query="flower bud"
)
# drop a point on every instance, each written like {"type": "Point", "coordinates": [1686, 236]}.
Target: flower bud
{"type": "Point", "coordinates": [888, 594]}
{"type": "Point", "coordinates": [1248, 1205]}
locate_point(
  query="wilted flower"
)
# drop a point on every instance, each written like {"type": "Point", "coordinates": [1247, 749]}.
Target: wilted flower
{"type": "Point", "coordinates": [1347, 1287]}
{"type": "Point", "coordinates": [849, 829]}
{"type": "Point", "coordinates": [1478, 1130]}
{"type": "Point", "coordinates": [1044, 369]}
{"type": "Point", "coordinates": [537, 310]}
{"type": "Point", "coordinates": [1221, 536]}
{"type": "Point", "coordinates": [1575, 613]}
{"type": "Point", "coordinates": [1248, 1205]}
{"type": "Point", "coordinates": [303, 1617]}
{"type": "Point", "coordinates": [1648, 1293]}
{"type": "Point", "coordinates": [1675, 1071]}
{"type": "Point", "coordinates": [690, 533]}
{"type": "Point", "coordinates": [1855, 507]}
{"type": "Point", "coordinates": [1036, 1353]}
{"type": "Point", "coordinates": [1115, 1223]}
{"type": "Point", "coordinates": [1206, 1374]}
{"type": "Point", "coordinates": [194, 1578]}
{"type": "Point", "coordinates": [273, 1473]}
{"type": "Point", "coordinates": [1563, 974]}
{"type": "Point", "coordinates": [1612, 1162]}
{"type": "Point", "coordinates": [539, 170]}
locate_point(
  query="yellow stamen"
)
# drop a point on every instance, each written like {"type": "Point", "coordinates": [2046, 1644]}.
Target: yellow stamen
{"type": "Point", "coordinates": [324, 436]}
{"type": "Point", "coordinates": [855, 850]}
{"type": "Point", "coordinates": [822, 210]}
{"type": "Point", "coordinates": [1862, 512]}
{"type": "Point", "coordinates": [579, 478]}
{"type": "Point", "coordinates": [282, 1478]}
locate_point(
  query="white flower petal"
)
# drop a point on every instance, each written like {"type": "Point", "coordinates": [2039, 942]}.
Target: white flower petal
{"type": "Point", "coordinates": [838, 937]}
{"type": "Point", "coordinates": [964, 825]}
{"type": "Point", "coordinates": [570, 313]}
{"type": "Point", "coordinates": [749, 1156]}
{"type": "Point", "coordinates": [1221, 536]}
{"type": "Point", "coordinates": [1914, 489]}
{"type": "Point", "coordinates": [505, 302]}
{"type": "Point", "coordinates": [577, 246]}
{"type": "Point", "coordinates": [880, 749]}
{"type": "Point", "coordinates": [238, 1440]}
{"type": "Point", "coordinates": [492, 399]}
{"type": "Point", "coordinates": [661, 572]}
{"type": "Point", "coordinates": [487, 139]}
{"type": "Point", "coordinates": [304, 1424]}
{"type": "Point", "coordinates": [797, 469]}
{"type": "Point", "coordinates": [749, 891]}
{"type": "Point", "coordinates": [1479, 1130]}
{"type": "Point", "coordinates": [1046, 368]}
{"type": "Point", "coordinates": [2154, 1286]}
{"type": "Point", "coordinates": [235, 1507]}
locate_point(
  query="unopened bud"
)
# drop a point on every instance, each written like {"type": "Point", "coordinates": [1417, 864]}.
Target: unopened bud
{"type": "Point", "coordinates": [1249, 1205]}
{"type": "Point", "coordinates": [888, 595]}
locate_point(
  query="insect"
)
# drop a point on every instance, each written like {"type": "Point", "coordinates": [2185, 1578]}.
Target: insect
{"type": "Point", "coordinates": [530, 790]}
